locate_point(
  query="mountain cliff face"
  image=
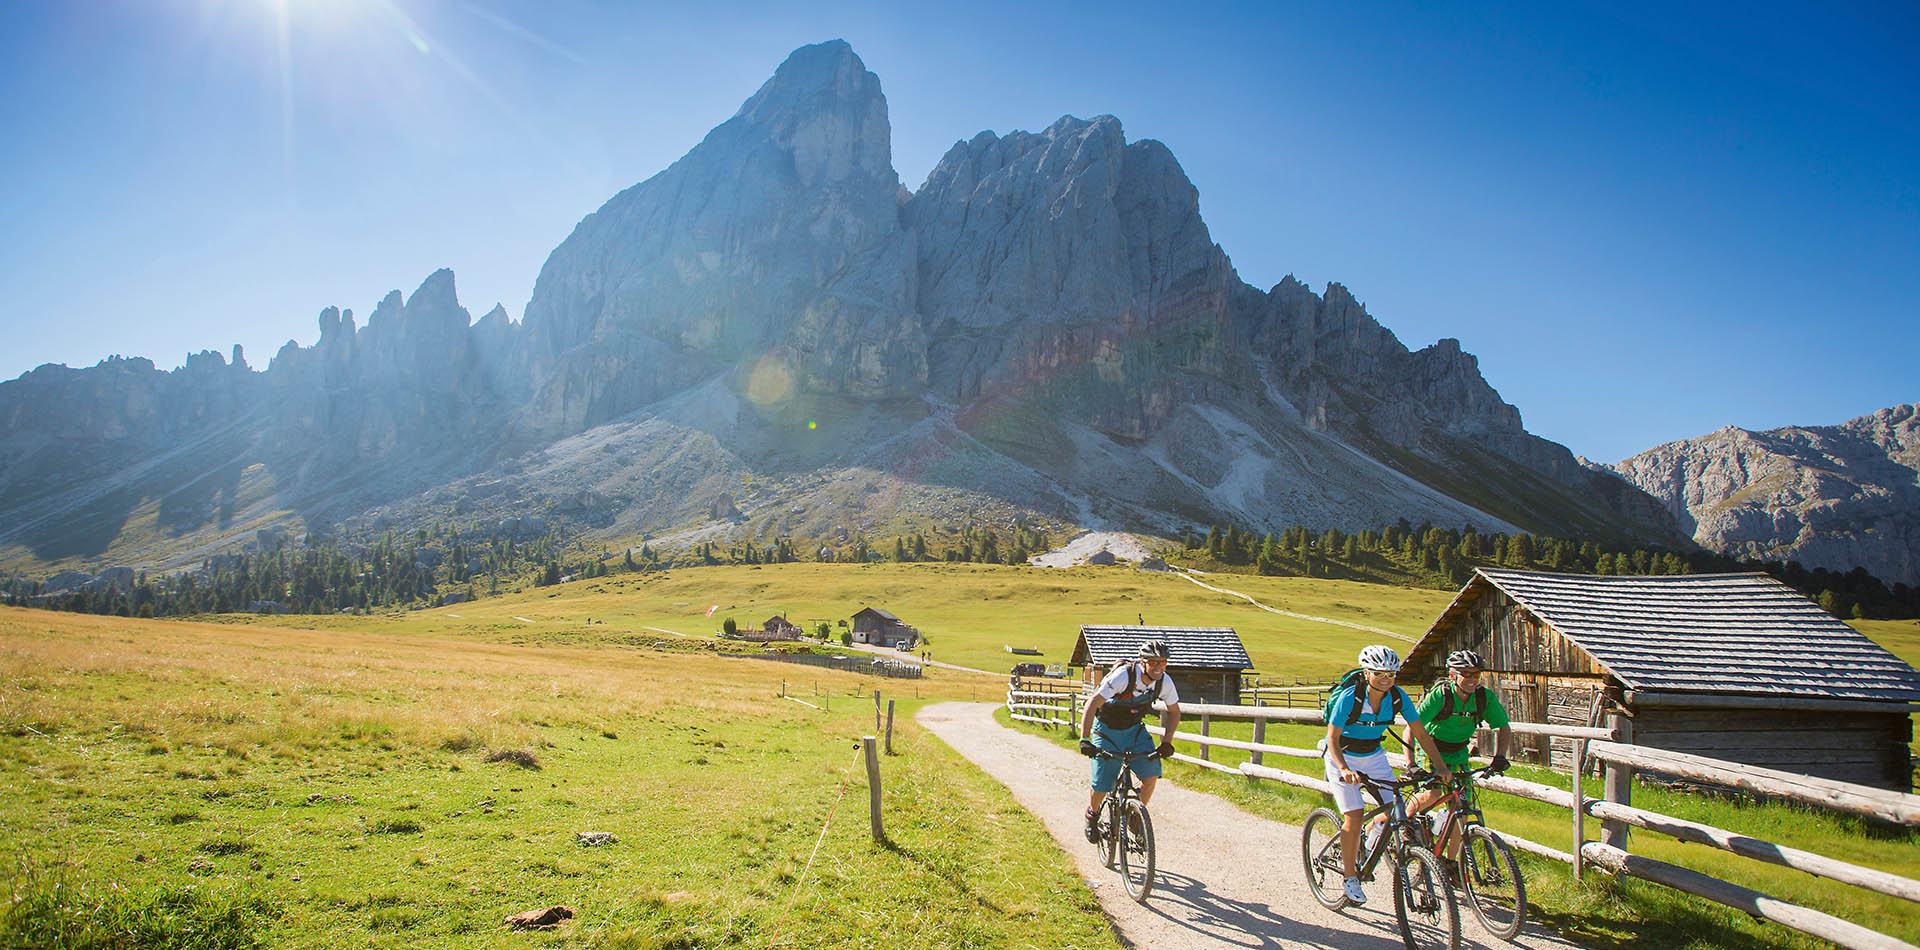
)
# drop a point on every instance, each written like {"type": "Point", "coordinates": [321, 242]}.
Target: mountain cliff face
{"type": "Point", "coordinates": [1044, 331]}
{"type": "Point", "coordinates": [778, 237]}
{"type": "Point", "coordinates": [1826, 496]}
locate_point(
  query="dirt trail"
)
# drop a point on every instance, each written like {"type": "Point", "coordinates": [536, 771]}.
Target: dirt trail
{"type": "Point", "coordinates": [1226, 879]}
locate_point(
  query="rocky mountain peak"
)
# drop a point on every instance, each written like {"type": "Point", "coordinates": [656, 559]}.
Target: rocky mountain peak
{"type": "Point", "coordinates": [826, 110]}
{"type": "Point", "coordinates": [1827, 496]}
{"type": "Point", "coordinates": [775, 242]}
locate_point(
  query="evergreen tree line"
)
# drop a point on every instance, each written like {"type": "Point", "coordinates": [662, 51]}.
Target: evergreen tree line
{"type": "Point", "coordinates": [1446, 557]}
{"type": "Point", "coordinates": [427, 566]}
{"type": "Point", "coordinates": [395, 572]}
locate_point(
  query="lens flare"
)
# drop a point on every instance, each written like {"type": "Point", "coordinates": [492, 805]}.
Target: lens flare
{"type": "Point", "coordinates": [771, 383]}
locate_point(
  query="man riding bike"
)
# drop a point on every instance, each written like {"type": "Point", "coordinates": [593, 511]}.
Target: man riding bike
{"type": "Point", "coordinates": [1452, 712]}
{"type": "Point", "coordinates": [1113, 723]}
{"type": "Point", "coordinates": [1356, 720]}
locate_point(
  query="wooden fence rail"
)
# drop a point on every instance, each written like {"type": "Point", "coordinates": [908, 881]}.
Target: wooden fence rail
{"type": "Point", "coordinates": [1046, 707]}
{"type": "Point", "coordinates": [1622, 759]}
{"type": "Point", "coordinates": [1839, 796]}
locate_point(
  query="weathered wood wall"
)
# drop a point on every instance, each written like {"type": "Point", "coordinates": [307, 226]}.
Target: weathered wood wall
{"type": "Point", "coordinates": [1863, 748]}
{"type": "Point", "coordinates": [1509, 637]}
{"type": "Point", "coordinates": [1549, 698]}
{"type": "Point", "coordinates": [1539, 675]}
{"type": "Point", "coordinates": [1221, 687]}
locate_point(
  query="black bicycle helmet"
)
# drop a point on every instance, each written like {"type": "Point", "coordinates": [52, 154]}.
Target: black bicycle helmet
{"type": "Point", "coordinates": [1153, 650]}
{"type": "Point", "coordinates": [1465, 660]}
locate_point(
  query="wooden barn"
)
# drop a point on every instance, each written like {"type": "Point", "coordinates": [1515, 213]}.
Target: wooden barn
{"type": "Point", "coordinates": [1733, 666]}
{"type": "Point", "coordinates": [880, 628]}
{"type": "Point", "coordinates": [1205, 662]}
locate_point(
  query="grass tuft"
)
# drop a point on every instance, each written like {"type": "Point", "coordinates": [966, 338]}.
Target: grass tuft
{"type": "Point", "coordinates": [519, 757]}
{"type": "Point", "coordinates": [48, 909]}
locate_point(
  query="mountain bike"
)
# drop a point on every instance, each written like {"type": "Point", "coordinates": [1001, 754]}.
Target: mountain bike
{"type": "Point", "coordinates": [1423, 902]}
{"type": "Point", "coordinates": [1126, 831]}
{"type": "Point", "coordinates": [1495, 890]}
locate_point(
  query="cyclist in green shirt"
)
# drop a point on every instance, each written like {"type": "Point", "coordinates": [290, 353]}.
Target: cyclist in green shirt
{"type": "Point", "coordinates": [1452, 712]}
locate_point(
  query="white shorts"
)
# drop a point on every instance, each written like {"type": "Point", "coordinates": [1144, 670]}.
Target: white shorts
{"type": "Point", "coordinates": [1352, 797]}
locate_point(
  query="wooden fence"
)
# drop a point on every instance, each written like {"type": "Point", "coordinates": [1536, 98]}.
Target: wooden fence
{"type": "Point", "coordinates": [1612, 747]}
{"type": "Point", "coordinates": [1050, 702]}
{"type": "Point", "coordinates": [849, 663]}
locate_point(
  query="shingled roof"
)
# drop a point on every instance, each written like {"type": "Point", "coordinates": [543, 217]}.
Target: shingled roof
{"type": "Point", "coordinates": [1700, 633]}
{"type": "Point", "coordinates": [1201, 647]}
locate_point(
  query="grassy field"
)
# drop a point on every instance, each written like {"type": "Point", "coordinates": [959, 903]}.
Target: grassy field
{"type": "Point", "coordinates": [203, 785]}
{"type": "Point", "coordinates": [970, 613]}
{"type": "Point", "coordinates": [321, 781]}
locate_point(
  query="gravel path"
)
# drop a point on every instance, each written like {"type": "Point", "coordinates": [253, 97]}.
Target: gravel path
{"type": "Point", "coordinates": [1226, 879]}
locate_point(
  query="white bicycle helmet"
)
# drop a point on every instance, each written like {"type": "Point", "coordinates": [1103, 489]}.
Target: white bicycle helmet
{"type": "Point", "coordinates": [1464, 660]}
{"type": "Point", "coordinates": [1377, 657]}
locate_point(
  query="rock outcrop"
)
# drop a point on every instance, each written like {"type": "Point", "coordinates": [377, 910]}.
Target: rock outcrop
{"type": "Point", "coordinates": [1827, 496]}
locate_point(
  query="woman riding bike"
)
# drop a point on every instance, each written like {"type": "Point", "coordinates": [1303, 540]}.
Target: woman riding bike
{"type": "Point", "coordinates": [1356, 720]}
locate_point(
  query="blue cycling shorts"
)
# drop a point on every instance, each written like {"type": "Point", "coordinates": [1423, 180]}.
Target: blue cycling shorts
{"type": "Point", "coordinates": [1132, 740]}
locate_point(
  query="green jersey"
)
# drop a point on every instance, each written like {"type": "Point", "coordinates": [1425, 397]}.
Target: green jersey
{"type": "Point", "coordinates": [1461, 721]}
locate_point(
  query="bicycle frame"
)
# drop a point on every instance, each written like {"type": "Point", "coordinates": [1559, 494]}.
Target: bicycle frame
{"type": "Point", "coordinates": [1462, 813]}
{"type": "Point", "coordinates": [1398, 822]}
{"type": "Point", "coordinates": [1126, 787]}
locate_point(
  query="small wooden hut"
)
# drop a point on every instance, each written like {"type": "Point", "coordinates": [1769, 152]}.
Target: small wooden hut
{"type": "Point", "coordinates": [1733, 666]}
{"type": "Point", "coordinates": [880, 628]}
{"type": "Point", "coordinates": [1205, 662]}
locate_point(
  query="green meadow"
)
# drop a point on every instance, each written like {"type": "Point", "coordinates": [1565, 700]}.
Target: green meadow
{"type": "Point", "coordinates": [410, 779]}
{"type": "Point", "coordinates": [969, 613]}
{"type": "Point", "coordinates": [202, 785]}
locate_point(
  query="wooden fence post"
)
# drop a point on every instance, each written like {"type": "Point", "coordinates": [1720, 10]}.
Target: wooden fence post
{"type": "Point", "coordinates": [873, 788]}
{"type": "Point", "coordinates": [889, 727]}
{"type": "Point", "coordinates": [1579, 803]}
{"type": "Point", "coordinates": [876, 710]}
{"type": "Point", "coordinates": [1619, 785]}
{"type": "Point", "coordinates": [1259, 733]}
{"type": "Point", "coordinates": [1206, 724]}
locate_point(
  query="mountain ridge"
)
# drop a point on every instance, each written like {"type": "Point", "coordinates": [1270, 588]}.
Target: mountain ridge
{"type": "Point", "coordinates": [1043, 332]}
{"type": "Point", "coordinates": [1835, 496]}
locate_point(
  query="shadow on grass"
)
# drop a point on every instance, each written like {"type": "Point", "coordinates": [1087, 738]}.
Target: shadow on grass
{"type": "Point", "coordinates": [1619, 915]}
{"type": "Point", "coordinates": [949, 872]}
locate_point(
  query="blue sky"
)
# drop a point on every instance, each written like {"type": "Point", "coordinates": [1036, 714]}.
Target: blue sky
{"type": "Point", "coordinates": [1647, 222]}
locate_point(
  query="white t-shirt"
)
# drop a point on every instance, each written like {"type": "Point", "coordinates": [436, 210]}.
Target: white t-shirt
{"type": "Point", "coordinates": [1135, 674]}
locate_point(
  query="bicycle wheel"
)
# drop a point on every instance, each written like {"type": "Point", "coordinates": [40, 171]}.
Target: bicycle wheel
{"type": "Point", "coordinates": [1320, 855]}
{"type": "Point", "coordinates": [1495, 889]}
{"type": "Point", "coordinates": [1422, 900]}
{"type": "Point", "coordinates": [1136, 851]}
